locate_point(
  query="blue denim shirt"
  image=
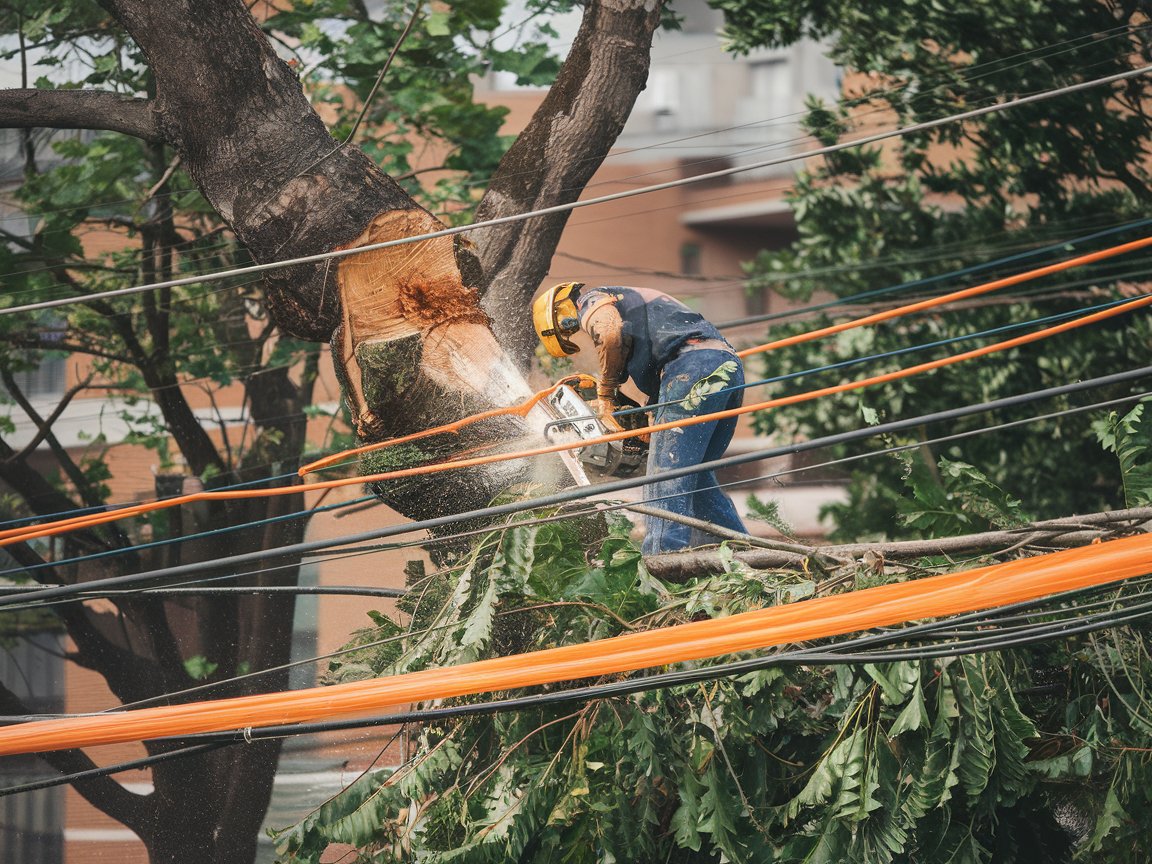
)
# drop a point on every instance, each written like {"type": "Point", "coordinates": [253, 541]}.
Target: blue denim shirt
{"type": "Point", "coordinates": [656, 327]}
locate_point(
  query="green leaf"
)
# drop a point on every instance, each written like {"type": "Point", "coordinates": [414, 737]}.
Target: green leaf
{"type": "Point", "coordinates": [896, 680]}
{"type": "Point", "coordinates": [1111, 817]}
{"type": "Point", "coordinates": [1130, 438]}
{"type": "Point", "coordinates": [200, 667]}
{"type": "Point", "coordinates": [438, 23]}
{"type": "Point", "coordinates": [913, 716]}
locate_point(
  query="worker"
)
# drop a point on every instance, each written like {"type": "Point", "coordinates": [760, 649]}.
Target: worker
{"type": "Point", "coordinates": [684, 368]}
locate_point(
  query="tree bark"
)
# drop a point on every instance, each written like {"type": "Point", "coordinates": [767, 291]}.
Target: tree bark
{"type": "Point", "coordinates": [1055, 533]}
{"type": "Point", "coordinates": [414, 347]}
{"type": "Point", "coordinates": [556, 155]}
{"type": "Point", "coordinates": [26, 108]}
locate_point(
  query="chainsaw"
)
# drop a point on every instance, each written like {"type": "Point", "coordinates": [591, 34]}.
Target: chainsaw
{"type": "Point", "coordinates": [571, 408]}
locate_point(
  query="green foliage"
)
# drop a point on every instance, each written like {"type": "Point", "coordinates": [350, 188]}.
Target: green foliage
{"type": "Point", "coordinates": [200, 667]}
{"type": "Point", "coordinates": [1129, 438]}
{"type": "Point", "coordinates": [424, 115]}
{"type": "Point", "coordinates": [768, 512]}
{"type": "Point", "coordinates": [998, 757]}
{"type": "Point", "coordinates": [952, 498]}
{"type": "Point", "coordinates": [954, 197]}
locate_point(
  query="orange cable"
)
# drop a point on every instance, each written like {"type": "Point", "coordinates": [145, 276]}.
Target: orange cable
{"type": "Point", "coordinates": [975, 290]}
{"type": "Point", "coordinates": [899, 311]}
{"type": "Point", "coordinates": [14, 535]}
{"type": "Point", "coordinates": [521, 409]}
{"type": "Point", "coordinates": [805, 620]}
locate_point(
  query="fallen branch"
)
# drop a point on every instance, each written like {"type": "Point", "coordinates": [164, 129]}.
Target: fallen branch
{"type": "Point", "coordinates": [1063, 533]}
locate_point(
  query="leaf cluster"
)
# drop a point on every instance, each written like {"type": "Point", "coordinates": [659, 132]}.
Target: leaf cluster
{"type": "Point", "coordinates": [905, 216]}
{"type": "Point", "coordinates": [1011, 756]}
{"type": "Point", "coordinates": [424, 117]}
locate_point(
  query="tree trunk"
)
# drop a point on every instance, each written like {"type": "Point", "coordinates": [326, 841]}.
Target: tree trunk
{"type": "Point", "coordinates": [413, 346]}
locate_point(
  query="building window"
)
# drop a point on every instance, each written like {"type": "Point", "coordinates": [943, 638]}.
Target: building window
{"type": "Point", "coordinates": [770, 87]}
{"type": "Point", "coordinates": [756, 300]}
{"type": "Point", "coordinates": [43, 380]}
{"type": "Point", "coordinates": [690, 259]}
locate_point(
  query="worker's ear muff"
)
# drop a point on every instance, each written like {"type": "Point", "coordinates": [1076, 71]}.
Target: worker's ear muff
{"type": "Point", "coordinates": [555, 318]}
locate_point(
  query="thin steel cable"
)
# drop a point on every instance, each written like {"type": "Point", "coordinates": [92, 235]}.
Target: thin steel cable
{"type": "Point", "coordinates": [342, 553]}
{"type": "Point", "coordinates": [543, 501]}
{"type": "Point", "coordinates": [1001, 615]}
{"type": "Point", "coordinates": [565, 208]}
{"type": "Point", "coordinates": [836, 654]}
{"type": "Point", "coordinates": [941, 277]}
{"type": "Point", "coordinates": [885, 355]}
{"type": "Point", "coordinates": [645, 408]}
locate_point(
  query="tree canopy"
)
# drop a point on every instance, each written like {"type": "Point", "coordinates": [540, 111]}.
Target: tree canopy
{"type": "Point", "coordinates": [879, 227]}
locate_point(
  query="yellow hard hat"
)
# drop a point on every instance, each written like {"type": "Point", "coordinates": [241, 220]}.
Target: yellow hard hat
{"type": "Point", "coordinates": [554, 316]}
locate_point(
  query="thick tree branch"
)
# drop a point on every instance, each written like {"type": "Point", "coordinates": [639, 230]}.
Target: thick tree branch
{"type": "Point", "coordinates": [78, 109]}
{"type": "Point", "coordinates": [557, 154]}
{"type": "Point", "coordinates": [128, 808]}
{"type": "Point", "coordinates": [1058, 533]}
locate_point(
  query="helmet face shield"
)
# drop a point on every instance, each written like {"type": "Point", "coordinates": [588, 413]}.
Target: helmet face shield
{"type": "Point", "coordinates": [555, 319]}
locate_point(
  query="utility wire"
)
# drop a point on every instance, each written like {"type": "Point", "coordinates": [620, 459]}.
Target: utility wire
{"type": "Point", "coordinates": [950, 275]}
{"type": "Point", "coordinates": [751, 384]}
{"type": "Point", "coordinates": [221, 590]}
{"type": "Point", "coordinates": [869, 358]}
{"type": "Point", "coordinates": [200, 535]}
{"type": "Point", "coordinates": [875, 318]}
{"type": "Point", "coordinates": [600, 508]}
{"type": "Point", "coordinates": [846, 652]}
{"type": "Point", "coordinates": [119, 767]}
{"type": "Point", "coordinates": [835, 654]}
{"type": "Point", "coordinates": [841, 364]}
{"type": "Point", "coordinates": [17, 535]}
{"type": "Point", "coordinates": [303, 548]}
{"type": "Point", "coordinates": [565, 208]}
{"type": "Point", "coordinates": [622, 412]}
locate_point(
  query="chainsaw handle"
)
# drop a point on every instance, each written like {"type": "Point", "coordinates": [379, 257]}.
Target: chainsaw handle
{"type": "Point", "coordinates": [579, 381]}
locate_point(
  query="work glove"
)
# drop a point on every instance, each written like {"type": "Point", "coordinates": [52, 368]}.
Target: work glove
{"type": "Point", "coordinates": [606, 407]}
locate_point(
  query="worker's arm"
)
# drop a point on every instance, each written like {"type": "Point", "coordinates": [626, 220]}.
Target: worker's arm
{"type": "Point", "coordinates": [604, 324]}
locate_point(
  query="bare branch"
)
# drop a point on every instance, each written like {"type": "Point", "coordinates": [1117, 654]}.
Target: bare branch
{"type": "Point", "coordinates": [555, 156]}
{"type": "Point", "coordinates": [1057, 533]}
{"type": "Point", "coordinates": [44, 426]}
{"type": "Point", "coordinates": [29, 108]}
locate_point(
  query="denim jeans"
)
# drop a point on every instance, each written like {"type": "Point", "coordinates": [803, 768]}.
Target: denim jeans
{"type": "Point", "coordinates": [681, 384]}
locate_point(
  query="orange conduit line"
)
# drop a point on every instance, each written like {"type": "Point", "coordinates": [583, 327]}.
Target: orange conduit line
{"type": "Point", "coordinates": [522, 409]}
{"type": "Point", "coordinates": [985, 288]}
{"type": "Point", "coordinates": [899, 311]}
{"type": "Point", "coordinates": [884, 378]}
{"type": "Point", "coordinates": [14, 535]}
{"type": "Point", "coordinates": [819, 618]}
{"type": "Point", "coordinates": [9, 536]}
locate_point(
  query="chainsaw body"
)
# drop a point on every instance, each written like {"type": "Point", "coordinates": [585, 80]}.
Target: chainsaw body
{"type": "Point", "coordinates": [570, 406]}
